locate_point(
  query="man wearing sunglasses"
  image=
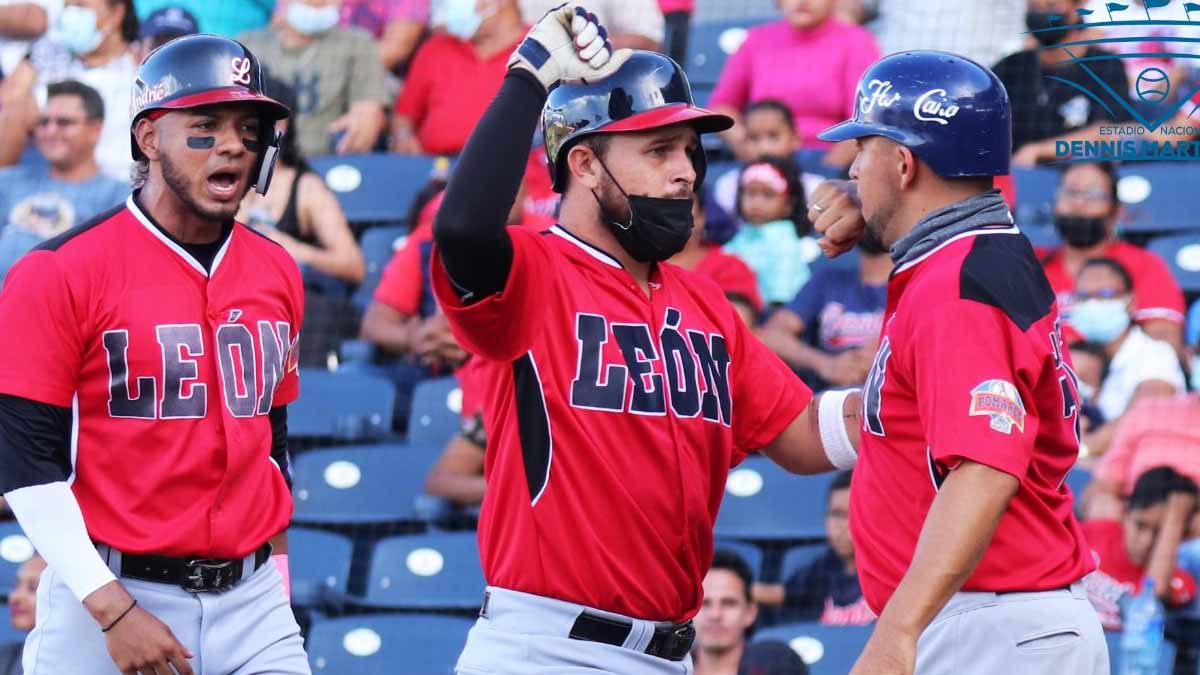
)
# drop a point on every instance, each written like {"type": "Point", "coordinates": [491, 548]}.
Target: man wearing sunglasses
{"type": "Point", "coordinates": [42, 200]}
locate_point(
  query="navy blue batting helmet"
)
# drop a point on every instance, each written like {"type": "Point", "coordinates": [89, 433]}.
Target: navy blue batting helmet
{"type": "Point", "coordinates": [648, 91]}
{"type": "Point", "coordinates": [950, 111]}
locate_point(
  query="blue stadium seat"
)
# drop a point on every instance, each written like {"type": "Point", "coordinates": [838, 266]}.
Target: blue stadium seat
{"type": "Point", "coordinates": [1182, 253]}
{"type": "Point", "coordinates": [828, 650]}
{"type": "Point", "coordinates": [377, 244]}
{"type": "Point", "coordinates": [319, 564]}
{"type": "Point", "coordinates": [15, 549]}
{"type": "Point", "coordinates": [709, 45]}
{"type": "Point", "coordinates": [359, 484]}
{"type": "Point", "coordinates": [376, 187]}
{"type": "Point", "coordinates": [1155, 196]}
{"type": "Point", "coordinates": [387, 644]}
{"type": "Point", "coordinates": [1078, 479]}
{"type": "Point", "coordinates": [752, 554]}
{"type": "Point", "coordinates": [798, 557]}
{"type": "Point", "coordinates": [1035, 190]}
{"type": "Point", "coordinates": [436, 411]}
{"type": "Point", "coordinates": [425, 571]}
{"type": "Point", "coordinates": [345, 406]}
{"type": "Point", "coordinates": [765, 503]}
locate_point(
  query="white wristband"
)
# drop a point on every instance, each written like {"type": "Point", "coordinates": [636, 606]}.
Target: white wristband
{"type": "Point", "coordinates": [831, 422]}
{"type": "Point", "coordinates": [51, 518]}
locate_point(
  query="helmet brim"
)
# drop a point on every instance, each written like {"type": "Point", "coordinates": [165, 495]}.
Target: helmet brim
{"type": "Point", "coordinates": [705, 121]}
{"type": "Point", "coordinates": [847, 130]}
{"type": "Point", "coordinates": [275, 109]}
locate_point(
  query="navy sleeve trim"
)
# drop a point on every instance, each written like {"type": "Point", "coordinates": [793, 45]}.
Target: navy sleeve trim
{"type": "Point", "coordinates": [279, 443]}
{"type": "Point", "coordinates": [34, 443]}
{"type": "Point", "coordinates": [1002, 271]}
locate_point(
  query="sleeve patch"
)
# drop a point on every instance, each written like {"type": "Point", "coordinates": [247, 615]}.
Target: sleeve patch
{"type": "Point", "coordinates": [1000, 401]}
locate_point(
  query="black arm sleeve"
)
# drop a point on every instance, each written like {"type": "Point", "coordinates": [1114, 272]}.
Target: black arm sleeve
{"type": "Point", "coordinates": [34, 443]}
{"type": "Point", "coordinates": [279, 445]}
{"type": "Point", "coordinates": [470, 226]}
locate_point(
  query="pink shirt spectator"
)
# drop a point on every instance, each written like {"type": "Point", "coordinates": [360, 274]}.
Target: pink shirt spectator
{"type": "Point", "coordinates": [677, 6]}
{"type": "Point", "coordinates": [373, 15]}
{"type": "Point", "coordinates": [1157, 431]}
{"type": "Point", "coordinates": [814, 71]}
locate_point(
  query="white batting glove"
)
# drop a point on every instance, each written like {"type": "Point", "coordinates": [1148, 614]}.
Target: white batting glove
{"type": "Point", "coordinates": [567, 44]}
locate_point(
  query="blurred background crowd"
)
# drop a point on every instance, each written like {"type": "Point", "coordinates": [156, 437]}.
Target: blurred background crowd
{"type": "Point", "coordinates": [389, 438]}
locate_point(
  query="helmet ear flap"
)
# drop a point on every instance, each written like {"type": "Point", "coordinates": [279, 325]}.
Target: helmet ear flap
{"type": "Point", "coordinates": [266, 162]}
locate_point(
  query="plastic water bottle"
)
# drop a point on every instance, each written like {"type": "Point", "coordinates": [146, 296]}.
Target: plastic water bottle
{"type": "Point", "coordinates": [1142, 635]}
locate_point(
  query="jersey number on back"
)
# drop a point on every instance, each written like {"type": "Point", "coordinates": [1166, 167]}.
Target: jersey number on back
{"type": "Point", "coordinates": [873, 389]}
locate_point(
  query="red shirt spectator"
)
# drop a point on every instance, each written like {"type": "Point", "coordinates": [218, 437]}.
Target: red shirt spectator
{"type": "Point", "coordinates": [1156, 292]}
{"type": "Point", "coordinates": [677, 6]}
{"type": "Point", "coordinates": [731, 274]}
{"type": "Point", "coordinates": [1117, 575]}
{"type": "Point", "coordinates": [1143, 441]}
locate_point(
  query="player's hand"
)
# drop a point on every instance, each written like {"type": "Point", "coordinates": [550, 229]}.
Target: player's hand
{"type": "Point", "coordinates": [140, 644]}
{"type": "Point", "coordinates": [888, 652]}
{"type": "Point", "coordinates": [568, 43]}
{"type": "Point", "coordinates": [837, 216]}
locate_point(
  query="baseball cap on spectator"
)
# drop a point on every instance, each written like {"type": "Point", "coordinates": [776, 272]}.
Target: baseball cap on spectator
{"type": "Point", "coordinates": [771, 657]}
{"type": "Point", "coordinates": [168, 23]}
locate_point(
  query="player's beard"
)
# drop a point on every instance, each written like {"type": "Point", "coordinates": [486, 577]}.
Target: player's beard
{"type": "Point", "coordinates": [177, 181]}
{"type": "Point", "coordinates": [613, 204]}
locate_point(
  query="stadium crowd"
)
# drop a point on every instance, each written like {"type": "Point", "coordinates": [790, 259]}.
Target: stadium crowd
{"type": "Point", "coordinates": [411, 78]}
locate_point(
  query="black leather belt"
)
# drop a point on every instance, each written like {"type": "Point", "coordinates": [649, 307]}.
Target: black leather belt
{"type": "Point", "coordinates": [195, 575]}
{"type": "Point", "coordinates": [669, 642]}
{"type": "Point", "coordinates": [1044, 590]}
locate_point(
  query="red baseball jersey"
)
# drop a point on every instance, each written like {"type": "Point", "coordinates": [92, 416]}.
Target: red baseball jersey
{"type": "Point", "coordinates": [613, 418]}
{"type": "Point", "coordinates": [170, 370]}
{"type": "Point", "coordinates": [970, 367]}
{"type": "Point", "coordinates": [1158, 295]}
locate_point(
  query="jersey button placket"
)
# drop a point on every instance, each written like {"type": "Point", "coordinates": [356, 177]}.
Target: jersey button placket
{"type": "Point", "coordinates": [658, 311]}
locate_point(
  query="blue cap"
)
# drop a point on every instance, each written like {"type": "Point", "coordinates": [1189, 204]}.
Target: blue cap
{"type": "Point", "coordinates": [170, 22]}
{"type": "Point", "coordinates": [953, 113]}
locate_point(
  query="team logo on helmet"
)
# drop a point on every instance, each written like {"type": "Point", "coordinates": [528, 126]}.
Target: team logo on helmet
{"type": "Point", "coordinates": [881, 94]}
{"type": "Point", "coordinates": [932, 106]}
{"type": "Point", "coordinates": [241, 71]}
{"type": "Point", "coordinates": [1000, 401]}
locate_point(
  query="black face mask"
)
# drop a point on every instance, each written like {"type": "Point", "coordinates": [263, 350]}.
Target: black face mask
{"type": "Point", "coordinates": [1080, 231]}
{"type": "Point", "coordinates": [1036, 21]}
{"type": "Point", "coordinates": [657, 228]}
{"type": "Point", "coordinates": [871, 244]}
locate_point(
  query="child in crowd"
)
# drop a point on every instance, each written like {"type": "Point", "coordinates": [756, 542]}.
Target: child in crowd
{"type": "Point", "coordinates": [1143, 544]}
{"type": "Point", "coordinates": [771, 239]}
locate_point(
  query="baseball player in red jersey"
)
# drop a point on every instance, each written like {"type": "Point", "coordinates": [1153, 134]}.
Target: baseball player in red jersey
{"type": "Point", "coordinates": [963, 527]}
{"type": "Point", "coordinates": [147, 359]}
{"type": "Point", "coordinates": [619, 390]}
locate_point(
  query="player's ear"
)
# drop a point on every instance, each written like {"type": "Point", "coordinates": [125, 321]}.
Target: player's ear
{"type": "Point", "coordinates": [145, 134]}
{"type": "Point", "coordinates": [584, 166]}
{"type": "Point", "coordinates": [906, 166]}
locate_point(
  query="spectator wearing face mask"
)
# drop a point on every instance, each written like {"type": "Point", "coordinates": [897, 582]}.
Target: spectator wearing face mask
{"type": "Point", "coordinates": [829, 332]}
{"type": "Point", "coordinates": [90, 42]}
{"type": "Point", "coordinates": [1044, 85]}
{"type": "Point", "coordinates": [1086, 210]}
{"type": "Point", "coordinates": [1140, 366]}
{"type": "Point", "coordinates": [455, 74]}
{"type": "Point", "coordinates": [20, 24]}
{"type": "Point", "coordinates": [335, 72]}
{"type": "Point", "coordinates": [1090, 360]}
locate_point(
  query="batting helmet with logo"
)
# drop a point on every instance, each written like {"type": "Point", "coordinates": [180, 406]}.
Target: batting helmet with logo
{"type": "Point", "coordinates": [648, 91]}
{"type": "Point", "coordinates": [950, 111]}
{"type": "Point", "coordinates": [197, 70]}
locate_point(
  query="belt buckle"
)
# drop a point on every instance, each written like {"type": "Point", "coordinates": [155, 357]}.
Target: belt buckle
{"type": "Point", "coordinates": [208, 574]}
{"type": "Point", "coordinates": [679, 640]}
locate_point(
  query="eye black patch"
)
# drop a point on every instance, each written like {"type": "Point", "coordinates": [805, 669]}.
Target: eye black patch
{"type": "Point", "coordinates": [251, 145]}
{"type": "Point", "coordinates": [201, 142]}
